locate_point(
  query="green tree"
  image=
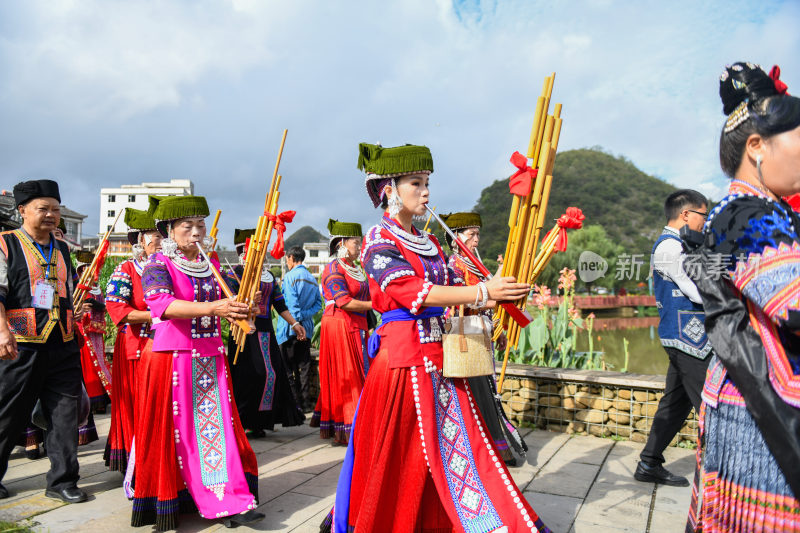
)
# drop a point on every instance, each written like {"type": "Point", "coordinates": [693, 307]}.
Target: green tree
{"type": "Point", "coordinates": [592, 238]}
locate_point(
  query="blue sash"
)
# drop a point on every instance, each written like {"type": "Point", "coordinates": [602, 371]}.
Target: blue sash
{"type": "Point", "coordinates": [399, 315]}
{"type": "Point", "coordinates": [341, 507]}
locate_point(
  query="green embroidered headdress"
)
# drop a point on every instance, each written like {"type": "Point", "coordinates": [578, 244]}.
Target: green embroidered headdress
{"type": "Point", "coordinates": [339, 230]}
{"type": "Point", "coordinates": [170, 208]}
{"type": "Point", "coordinates": [460, 221]}
{"type": "Point", "coordinates": [457, 221]}
{"type": "Point", "coordinates": [83, 258]}
{"type": "Point", "coordinates": [240, 237]}
{"type": "Point", "coordinates": [137, 222]}
{"type": "Point", "coordinates": [382, 164]}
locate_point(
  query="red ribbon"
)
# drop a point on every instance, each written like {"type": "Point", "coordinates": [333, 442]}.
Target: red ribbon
{"type": "Point", "coordinates": [794, 201]}
{"type": "Point", "coordinates": [572, 219]}
{"type": "Point", "coordinates": [775, 74]}
{"type": "Point", "coordinates": [280, 221]}
{"type": "Point", "coordinates": [246, 248]}
{"type": "Point", "coordinates": [520, 182]}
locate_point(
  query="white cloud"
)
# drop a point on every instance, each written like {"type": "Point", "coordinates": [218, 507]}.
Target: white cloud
{"type": "Point", "coordinates": [120, 92]}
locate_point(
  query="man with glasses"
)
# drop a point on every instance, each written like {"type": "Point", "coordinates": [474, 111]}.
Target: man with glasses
{"type": "Point", "coordinates": [682, 333]}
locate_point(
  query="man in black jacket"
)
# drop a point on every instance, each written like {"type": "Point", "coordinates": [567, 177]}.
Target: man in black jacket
{"type": "Point", "coordinates": [39, 357]}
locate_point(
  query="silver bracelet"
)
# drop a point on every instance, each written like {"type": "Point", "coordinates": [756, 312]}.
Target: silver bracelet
{"type": "Point", "coordinates": [482, 298]}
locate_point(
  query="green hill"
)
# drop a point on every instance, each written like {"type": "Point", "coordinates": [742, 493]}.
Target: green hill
{"type": "Point", "coordinates": [610, 190]}
{"type": "Point", "coordinates": [304, 235]}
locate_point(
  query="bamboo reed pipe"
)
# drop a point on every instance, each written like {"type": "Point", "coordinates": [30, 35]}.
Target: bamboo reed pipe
{"type": "Point", "coordinates": [88, 275]}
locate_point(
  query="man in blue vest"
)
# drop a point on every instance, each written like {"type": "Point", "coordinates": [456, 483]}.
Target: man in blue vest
{"type": "Point", "coordinates": [682, 332]}
{"type": "Point", "coordinates": [302, 297]}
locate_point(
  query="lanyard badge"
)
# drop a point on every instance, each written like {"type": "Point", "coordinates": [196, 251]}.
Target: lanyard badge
{"type": "Point", "coordinates": [44, 292]}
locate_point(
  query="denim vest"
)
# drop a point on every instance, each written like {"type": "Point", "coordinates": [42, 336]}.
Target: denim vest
{"type": "Point", "coordinates": [682, 324]}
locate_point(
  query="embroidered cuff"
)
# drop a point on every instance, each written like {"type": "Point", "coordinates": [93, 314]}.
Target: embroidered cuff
{"type": "Point", "coordinates": [421, 295]}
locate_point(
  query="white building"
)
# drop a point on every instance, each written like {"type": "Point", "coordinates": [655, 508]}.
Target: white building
{"type": "Point", "coordinates": [73, 221]}
{"type": "Point", "coordinates": [317, 257]}
{"type": "Point", "coordinates": [115, 199]}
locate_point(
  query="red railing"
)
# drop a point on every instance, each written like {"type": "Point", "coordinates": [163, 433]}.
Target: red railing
{"type": "Point", "coordinates": [608, 302]}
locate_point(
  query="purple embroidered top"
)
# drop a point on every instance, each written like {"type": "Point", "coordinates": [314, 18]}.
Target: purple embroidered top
{"type": "Point", "coordinates": [163, 284]}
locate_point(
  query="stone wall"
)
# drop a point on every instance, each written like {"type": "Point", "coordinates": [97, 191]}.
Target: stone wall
{"type": "Point", "coordinates": [586, 402]}
{"type": "Point", "coordinates": [591, 402]}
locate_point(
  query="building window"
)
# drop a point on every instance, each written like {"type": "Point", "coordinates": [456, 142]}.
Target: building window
{"type": "Point", "coordinates": [313, 253]}
{"type": "Point", "coordinates": [131, 198]}
{"type": "Point", "coordinates": [108, 228]}
{"type": "Point", "coordinates": [111, 212]}
{"type": "Point", "coordinates": [112, 198]}
{"type": "Point", "coordinates": [72, 228]}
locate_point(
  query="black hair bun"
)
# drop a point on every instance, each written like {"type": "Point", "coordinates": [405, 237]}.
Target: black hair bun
{"type": "Point", "coordinates": [744, 81]}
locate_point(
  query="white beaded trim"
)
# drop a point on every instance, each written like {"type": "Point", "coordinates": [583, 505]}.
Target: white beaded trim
{"type": "Point", "coordinates": [421, 295]}
{"type": "Point", "coordinates": [393, 276]}
{"type": "Point", "coordinates": [418, 407]}
{"type": "Point", "coordinates": [512, 490]}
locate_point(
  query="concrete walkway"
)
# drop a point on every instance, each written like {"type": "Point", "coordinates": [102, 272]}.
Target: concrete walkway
{"type": "Point", "coordinates": [576, 484]}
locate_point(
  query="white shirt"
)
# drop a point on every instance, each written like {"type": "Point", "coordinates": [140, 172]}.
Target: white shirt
{"type": "Point", "coordinates": [668, 258]}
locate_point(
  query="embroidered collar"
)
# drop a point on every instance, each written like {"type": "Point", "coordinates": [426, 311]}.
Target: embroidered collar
{"type": "Point", "coordinates": [742, 187]}
{"type": "Point", "coordinates": [470, 266]}
{"type": "Point", "coordinates": [417, 241]}
{"type": "Point", "coordinates": [352, 270]}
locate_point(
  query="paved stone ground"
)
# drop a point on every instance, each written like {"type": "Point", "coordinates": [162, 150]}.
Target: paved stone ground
{"type": "Point", "coordinates": [576, 484]}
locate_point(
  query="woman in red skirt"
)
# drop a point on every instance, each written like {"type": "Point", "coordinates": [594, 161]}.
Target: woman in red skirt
{"type": "Point", "coordinates": [420, 457]}
{"type": "Point", "coordinates": [128, 310]}
{"type": "Point", "coordinates": [343, 361]}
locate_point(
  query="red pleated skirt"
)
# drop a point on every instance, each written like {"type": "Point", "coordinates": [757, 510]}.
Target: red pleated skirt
{"type": "Point", "coordinates": [341, 377]}
{"type": "Point", "coordinates": [412, 426]}
{"type": "Point", "coordinates": [123, 408]}
{"type": "Point", "coordinates": [160, 493]}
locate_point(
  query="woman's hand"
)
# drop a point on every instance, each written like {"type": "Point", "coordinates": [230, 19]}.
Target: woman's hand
{"type": "Point", "coordinates": [231, 309]}
{"type": "Point", "coordinates": [506, 289]}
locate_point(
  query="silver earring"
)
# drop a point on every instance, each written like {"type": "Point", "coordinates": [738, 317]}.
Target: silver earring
{"type": "Point", "coordinates": [169, 247]}
{"type": "Point", "coordinates": [138, 252]}
{"type": "Point", "coordinates": [760, 175]}
{"type": "Point", "coordinates": [341, 253]}
{"type": "Point", "coordinates": [395, 203]}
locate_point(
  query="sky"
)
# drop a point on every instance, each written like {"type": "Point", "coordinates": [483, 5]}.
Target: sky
{"type": "Point", "coordinates": [104, 93]}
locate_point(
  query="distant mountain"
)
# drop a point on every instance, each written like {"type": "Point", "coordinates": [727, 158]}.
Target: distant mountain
{"type": "Point", "coordinates": [304, 235]}
{"type": "Point", "coordinates": [611, 191]}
